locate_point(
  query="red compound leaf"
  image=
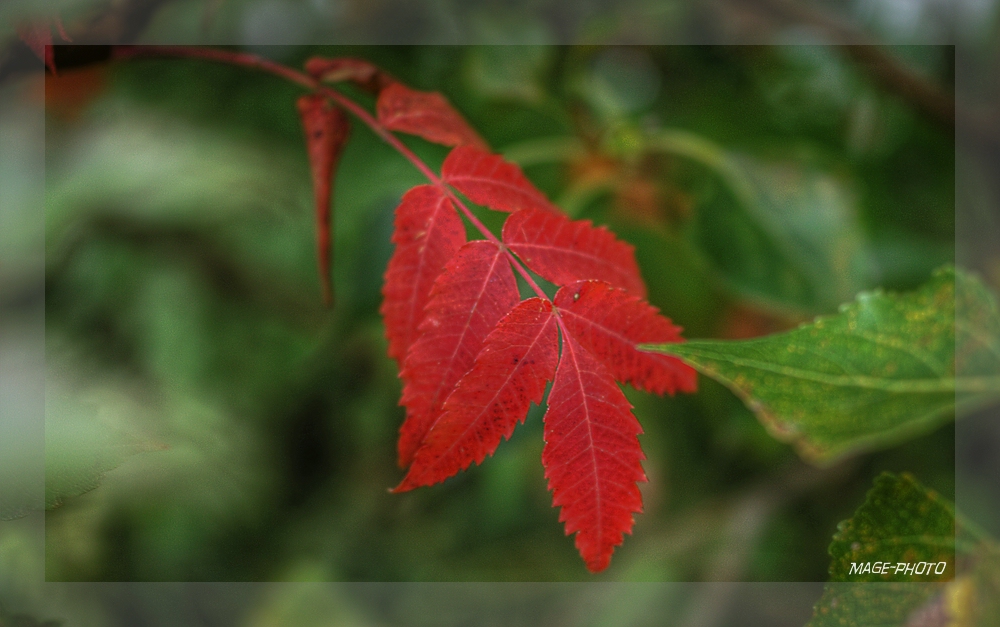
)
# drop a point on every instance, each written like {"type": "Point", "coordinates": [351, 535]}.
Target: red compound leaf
{"type": "Point", "coordinates": [517, 361]}
{"type": "Point", "coordinates": [490, 181]}
{"type": "Point", "coordinates": [424, 114]}
{"type": "Point", "coordinates": [360, 72]}
{"type": "Point", "coordinates": [326, 128]}
{"type": "Point", "coordinates": [476, 289]}
{"type": "Point", "coordinates": [563, 251]}
{"type": "Point", "coordinates": [592, 457]}
{"type": "Point", "coordinates": [609, 322]}
{"type": "Point", "coordinates": [428, 233]}
{"type": "Point", "coordinates": [474, 358]}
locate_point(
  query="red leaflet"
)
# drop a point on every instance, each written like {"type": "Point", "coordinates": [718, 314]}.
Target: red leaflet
{"type": "Point", "coordinates": [428, 233]}
{"type": "Point", "coordinates": [399, 108]}
{"type": "Point", "coordinates": [360, 72]}
{"type": "Point", "coordinates": [476, 289]}
{"type": "Point", "coordinates": [592, 457]}
{"type": "Point", "coordinates": [563, 251]}
{"type": "Point", "coordinates": [326, 128]}
{"type": "Point", "coordinates": [424, 114]}
{"type": "Point", "coordinates": [609, 322]}
{"type": "Point", "coordinates": [489, 180]}
{"type": "Point", "coordinates": [517, 361]}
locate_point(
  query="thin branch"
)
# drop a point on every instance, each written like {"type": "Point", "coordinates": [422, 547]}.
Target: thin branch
{"type": "Point", "coordinates": [256, 62]}
{"type": "Point", "coordinates": [928, 98]}
{"type": "Point", "coordinates": [111, 22]}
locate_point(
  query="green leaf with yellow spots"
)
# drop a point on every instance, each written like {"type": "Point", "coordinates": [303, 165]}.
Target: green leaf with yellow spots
{"type": "Point", "coordinates": [903, 524]}
{"type": "Point", "coordinates": [971, 600]}
{"type": "Point", "coordinates": [902, 532]}
{"type": "Point", "coordinates": [886, 368]}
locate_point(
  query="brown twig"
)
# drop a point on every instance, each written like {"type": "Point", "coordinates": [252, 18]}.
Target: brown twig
{"type": "Point", "coordinates": [113, 22]}
{"type": "Point", "coordinates": [256, 62]}
{"type": "Point", "coordinates": [930, 99]}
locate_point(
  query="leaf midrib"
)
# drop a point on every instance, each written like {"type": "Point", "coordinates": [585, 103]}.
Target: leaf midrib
{"type": "Point", "coordinates": [915, 386]}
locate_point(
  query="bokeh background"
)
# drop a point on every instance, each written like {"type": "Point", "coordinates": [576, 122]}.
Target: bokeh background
{"type": "Point", "coordinates": [183, 321]}
{"type": "Point", "coordinates": [182, 308]}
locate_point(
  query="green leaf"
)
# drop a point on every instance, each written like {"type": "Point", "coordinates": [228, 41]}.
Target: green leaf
{"type": "Point", "coordinates": [902, 522]}
{"type": "Point", "coordinates": [807, 219]}
{"type": "Point", "coordinates": [971, 600]}
{"type": "Point", "coordinates": [886, 368]}
{"type": "Point", "coordinates": [780, 234]}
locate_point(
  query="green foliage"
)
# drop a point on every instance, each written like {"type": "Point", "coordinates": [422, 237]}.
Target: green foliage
{"type": "Point", "coordinates": [85, 438]}
{"type": "Point", "coordinates": [899, 522]}
{"type": "Point", "coordinates": [884, 368]}
{"type": "Point", "coordinates": [903, 522]}
{"type": "Point", "coordinates": [783, 234]}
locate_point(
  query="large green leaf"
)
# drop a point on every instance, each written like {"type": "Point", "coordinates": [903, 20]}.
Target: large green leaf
{"type": "Point", "coordinates": [887, 367]}
{"type": "Point", "coordinates": [902, 522]}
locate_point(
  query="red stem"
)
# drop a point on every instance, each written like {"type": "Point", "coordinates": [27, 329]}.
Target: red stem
{"type": "Point", "coordinates": [255, 62]}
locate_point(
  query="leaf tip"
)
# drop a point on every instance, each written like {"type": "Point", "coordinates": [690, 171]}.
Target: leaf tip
{"type": "Point", "coordinates": [404, 486]}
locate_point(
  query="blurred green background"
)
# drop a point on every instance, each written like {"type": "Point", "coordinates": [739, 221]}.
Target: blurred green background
{"type": "Point", "coordinates": [185, 336]}
{"type": "Point", "coordinates": [183, 310]}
